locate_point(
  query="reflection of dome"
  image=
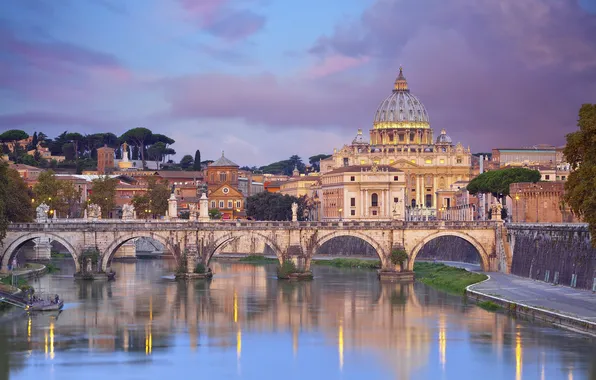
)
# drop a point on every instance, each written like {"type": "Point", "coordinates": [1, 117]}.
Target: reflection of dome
{"type": "Point", "coordinates": [444, 138]}
{"type": "Point", "coordinates": [401, 109]}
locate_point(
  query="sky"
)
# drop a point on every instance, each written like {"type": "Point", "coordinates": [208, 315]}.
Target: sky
{"type": "Point", "coordinates": [265, 79]}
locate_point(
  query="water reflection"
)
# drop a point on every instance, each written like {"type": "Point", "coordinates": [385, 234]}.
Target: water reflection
{"type": "Point", "coordinates": [345, 323]}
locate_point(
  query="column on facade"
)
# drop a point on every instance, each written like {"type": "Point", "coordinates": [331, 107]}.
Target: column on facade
{"type": "Point", "coordinates": [434, 193]}
{"type": "Point", "coordinates": [361, 200]}
{"type": "Point", "coordinates": [366, 202]}
{"type": "Point", "coordinates": [389, 203]}
{"type": "Point", "coordinates": [381, 202]}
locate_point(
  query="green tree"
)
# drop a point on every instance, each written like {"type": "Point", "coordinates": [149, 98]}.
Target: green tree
{"type": "Point", "coordinates": [214, 213]}
{"type": "Point", "coordinates": [154, 201]}
{"type": "Point", "coordinates": [273, 206]}
{"type": "Point", "coordinates": [52, 192]}
{"type": "Point", "coordinates": [186, 162]}
{"type": "Point", "coordinates": [139, 137]}
{"type": "Point", "coordinates": [197, 161]}
{"type": "Point", "coordinates": [75, 138]}
{"type": "Point", "coordinates": [580, 153]}
{"type": "Point", "coordinates": [497, 182]}
{"type": "Point", "coordinates": [15, 199]}
{"type": "Point", "coordinates": [315, 160]}
{"type": "Point", "coordinates": [156, 152]}
{"type": "Point", "coordinates": [103, 193]}
{"type": "Point", "coordinates": [68, 150]}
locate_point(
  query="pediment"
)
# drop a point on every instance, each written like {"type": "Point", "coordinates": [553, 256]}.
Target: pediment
{"type": "Point", "coordinates": [404, 164]}
{"type": "Point", "coordinates": [226, 190]}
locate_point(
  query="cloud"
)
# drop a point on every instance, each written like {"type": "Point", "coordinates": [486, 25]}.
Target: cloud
{"type": "Point", "coordinates": [334, 64]}
{"type": "Point", "coordinates": [24, 119]}
{"type": "Point", "coordinates": [222, 19]}
{"type": "Point", "coordinates": [507, 72]}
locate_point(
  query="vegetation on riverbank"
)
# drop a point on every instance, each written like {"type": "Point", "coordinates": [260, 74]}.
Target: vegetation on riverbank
{"type": "Point", "coordinates": [489, 305]}
{"type": "Point", "coordinates": [443, 277]}
{"type": "Point", "coordinates": [350, 263]}
{"type": "Point", "coordinates": [258, 259]}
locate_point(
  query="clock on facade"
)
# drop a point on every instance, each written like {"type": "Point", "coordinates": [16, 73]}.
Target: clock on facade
{"type": "Point", "coordinates": [225, 190]}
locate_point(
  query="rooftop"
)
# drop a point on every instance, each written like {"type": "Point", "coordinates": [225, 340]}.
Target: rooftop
{"type": "Point", "coordinates": [223, 161]}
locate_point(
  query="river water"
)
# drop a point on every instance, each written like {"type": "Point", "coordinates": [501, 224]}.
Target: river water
{"type": "Point", "coordinates": [245, 324]}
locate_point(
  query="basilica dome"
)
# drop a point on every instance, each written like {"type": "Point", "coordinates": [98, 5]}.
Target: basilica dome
{"type": "Point", "coordinates": [444, 138]}
{"type": "Point", "coordinates": [401, 109]}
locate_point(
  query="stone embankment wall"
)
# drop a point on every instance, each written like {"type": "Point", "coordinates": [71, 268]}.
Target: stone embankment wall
{"type": "Point", "coordinates": [554, 253]}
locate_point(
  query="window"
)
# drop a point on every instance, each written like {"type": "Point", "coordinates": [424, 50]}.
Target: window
{"type": "Point", "coordinates": [401, 137]}
{"type": "Point", "coordinates": [427, 161]}
{"type": "Point", "coordinates": [391, 137]}
{"type": "Point", "coordinates": [374, 200]}
{"type": "Point", "coordinates": [459, 160]}
{"type": "Point", "coordinates": [352, 178]}
{"type": "Point", "coordinates": [563, 178]}
{"type": "Point", "coordinates": [346, 161]}
{"type": "Point", "coordinates": [429, 200]}
{"type": "Point", "coordinates": [362, 162]}
{"type": "Point", "coordinates": [391, 161]}
{"type": "Point", "coordinates": [230, 204]}
{"type": "Point", "coordinates": [352, 212]}
{"type": "Point", "coordinates": [212, 177]}
{"type": "Point", "coordinates": [374, 212]}
{"type": "Point", "coordinates": [221, 204]}
{"type": "Point", "coordinates": [237, 204]}
{"type": "Point", "coordinates": [395, 178]}
{"type": "Point", "coordinates": [395, 200]}
{"type": "Point", "coordinates": [547, 177]}
{"type": "Point", "coordinates": [413, 161]}
{"type": "Point", "coordinates": [353, 202]}
{"type": "Point", "coordinates": [212, 204]}
{"type": "Point", "coordinates": [441, 161]}
{"type": "Point", "coordinates": [223, 177]}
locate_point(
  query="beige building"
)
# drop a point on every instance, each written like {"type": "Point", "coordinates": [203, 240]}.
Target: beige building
{"type": "Point", "coordinates": [363, 192]}
{"type": "Point", "coordinates": [402, 139]}
{"type": "Point", "coordinates": [299, 186]}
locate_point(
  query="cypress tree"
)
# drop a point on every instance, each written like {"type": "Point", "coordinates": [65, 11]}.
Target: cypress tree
{"type": "Point", "coordinates": [197, 163]}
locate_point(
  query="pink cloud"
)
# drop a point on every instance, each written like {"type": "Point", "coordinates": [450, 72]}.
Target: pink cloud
{"type": "Point", "coordinates": [336, 63]}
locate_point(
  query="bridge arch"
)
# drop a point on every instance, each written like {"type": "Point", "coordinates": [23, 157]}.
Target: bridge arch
{"type": "Point", "coordinates": [484, 259]}
{"type": "Point", "coordinates": [223, 240]}
{"type": "Point", "coordinates": [12, 248]}
{"type": "Point", "coordinates": [110, 251]}
{"type": "Point", "coordinates": [344, 233]}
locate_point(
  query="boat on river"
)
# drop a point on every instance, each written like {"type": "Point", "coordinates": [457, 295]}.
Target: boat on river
{"type": "Point", "coordinates": [45, 305]}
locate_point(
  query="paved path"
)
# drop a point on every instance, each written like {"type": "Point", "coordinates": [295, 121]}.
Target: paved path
{"type": "Point", "coordinates": [577, 303]}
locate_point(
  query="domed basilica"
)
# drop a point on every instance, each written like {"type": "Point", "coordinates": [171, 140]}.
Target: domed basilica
{"type": "Point", "coordinates": [401, 144]}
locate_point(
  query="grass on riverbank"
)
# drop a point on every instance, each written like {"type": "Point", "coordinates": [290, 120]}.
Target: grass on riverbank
{"type": "Point", "coordinates": [350, 263]}
{"type": "Point", "coordinates": [258, 259]}
{"type": "Point", "coordinates": [443, 277]}
{"type": "Point", "coordinates": [489, 305]}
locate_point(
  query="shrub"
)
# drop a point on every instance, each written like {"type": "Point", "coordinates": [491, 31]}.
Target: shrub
{"type": "Point", "coordinates": [200, 268]}
{"type": "Point", "coordinates": [285, 269]}
{"type": "Point", "coordinates": [398, 256]}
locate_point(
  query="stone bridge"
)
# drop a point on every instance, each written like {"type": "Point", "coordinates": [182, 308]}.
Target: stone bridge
{"type": "Point", "coordinates": [299, 241]}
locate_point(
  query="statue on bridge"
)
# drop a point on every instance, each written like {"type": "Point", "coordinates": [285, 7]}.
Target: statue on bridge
{"type": "Point", "coordinates": [42, 213]}
{"type": "Point", "coordinates": [94, 211]}
{"type": "Point", "coordinates": [294, 212]}
{"type": "Point", "coordinates": [128, 212]}
{"type": "Point", "coordinates": [496, 209]}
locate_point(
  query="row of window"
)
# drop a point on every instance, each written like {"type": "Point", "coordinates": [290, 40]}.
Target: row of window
{"type": "Point", "coordinates": [222, 203]}
{"type": "Point", "coordinates": [374, 200]}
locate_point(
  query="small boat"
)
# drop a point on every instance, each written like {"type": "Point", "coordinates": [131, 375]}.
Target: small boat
{"type": "Point", "coordinates": [45, 306]}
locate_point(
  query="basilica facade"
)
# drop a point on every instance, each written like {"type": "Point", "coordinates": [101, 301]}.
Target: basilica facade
{"type": "Point", "coordinates": [401, 143]}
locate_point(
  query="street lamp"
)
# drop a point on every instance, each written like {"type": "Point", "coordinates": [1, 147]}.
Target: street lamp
{"type": "Point", "coordinates": [340, 210]}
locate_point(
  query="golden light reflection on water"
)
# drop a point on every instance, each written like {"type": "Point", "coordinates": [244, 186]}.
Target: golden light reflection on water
{"type": "Point", "coordinates": [238, 343]}
{"type": "Point", "coordinates": [295, 340]}
{"type": "Point", "coordinates": [518, 356]}
{"type": "Point", "coordinates": [51, 339]}
{"type": "Point", "coordinates": [340, 344]}
{"type": "Point", "coordinates": [442, 341]}
{"type": "Point", "coordinates": [148, 339]}
{"type": "Point", "coordinates": [29, 329]}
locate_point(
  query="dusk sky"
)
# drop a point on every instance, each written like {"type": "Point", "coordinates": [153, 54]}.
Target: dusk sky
{"type": "Point", "coordinates": [264, 79]}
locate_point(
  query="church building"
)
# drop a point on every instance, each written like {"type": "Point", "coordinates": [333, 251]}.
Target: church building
{"type": "Point", "coordinates": [401, 145]}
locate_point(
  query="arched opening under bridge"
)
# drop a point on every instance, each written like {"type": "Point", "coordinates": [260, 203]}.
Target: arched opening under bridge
{"type": "Point", "coordinates": [450, 246]}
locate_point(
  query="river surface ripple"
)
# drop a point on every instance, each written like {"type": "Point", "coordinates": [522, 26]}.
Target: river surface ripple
{"type": "Point", "coordinates": [246, 324]}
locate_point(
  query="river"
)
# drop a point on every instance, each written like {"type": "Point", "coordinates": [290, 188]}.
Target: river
{"type": "Point", "coordinates": [245, 324]}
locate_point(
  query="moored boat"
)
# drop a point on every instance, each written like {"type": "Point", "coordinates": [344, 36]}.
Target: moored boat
{"type": "Point", "coordinates": [45, 306]}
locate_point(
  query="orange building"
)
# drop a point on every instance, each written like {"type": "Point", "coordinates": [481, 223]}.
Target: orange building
{"type": "Point", "coordinates": [540, 202]}
{"type": "Point", "coordinates": [221, 177]}
{"type": "Point", "coordinates": [105, 159]}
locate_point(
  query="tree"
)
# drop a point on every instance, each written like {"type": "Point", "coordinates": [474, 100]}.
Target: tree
{"type": "Point", "coordinates": [68, 150]}
{"type": "Point", "coordinates": [156, 152]}
{"type": "Point", "coordinates": [103, 193]}
{"type": "Point", "coordinates": [15, 199]}
{"type": "Point", "coordinates": [197, 162]}
{"type": "Point", "coordinates": [497, 182]}
{"type": "Point", "coordinates": [138, 137]}
{"type": "Point", "coordinates": [315, 160]}
{"type": "Point", "coordinates": [13, 136]}
{"type": "Point", "coordinates": [273, 206]}
{"type": "Point", "coordinates": [53, 192]}
{"type": "Point", "coordinates": [580, 153]}
{"type": "Point", "coordinates": [154, 201]}
{"type": "Point", "coordinates": [214, 213]}
{"type": "Point", "coordinates": [186, 162]}
{"type": "Point", "coordinates": [75, 138]}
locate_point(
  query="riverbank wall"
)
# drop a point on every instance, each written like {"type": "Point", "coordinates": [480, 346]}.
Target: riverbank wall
{"type": "Point", "coordinates": [533, 313]}
{"type": "Point", "coordinates": [553, 253]}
